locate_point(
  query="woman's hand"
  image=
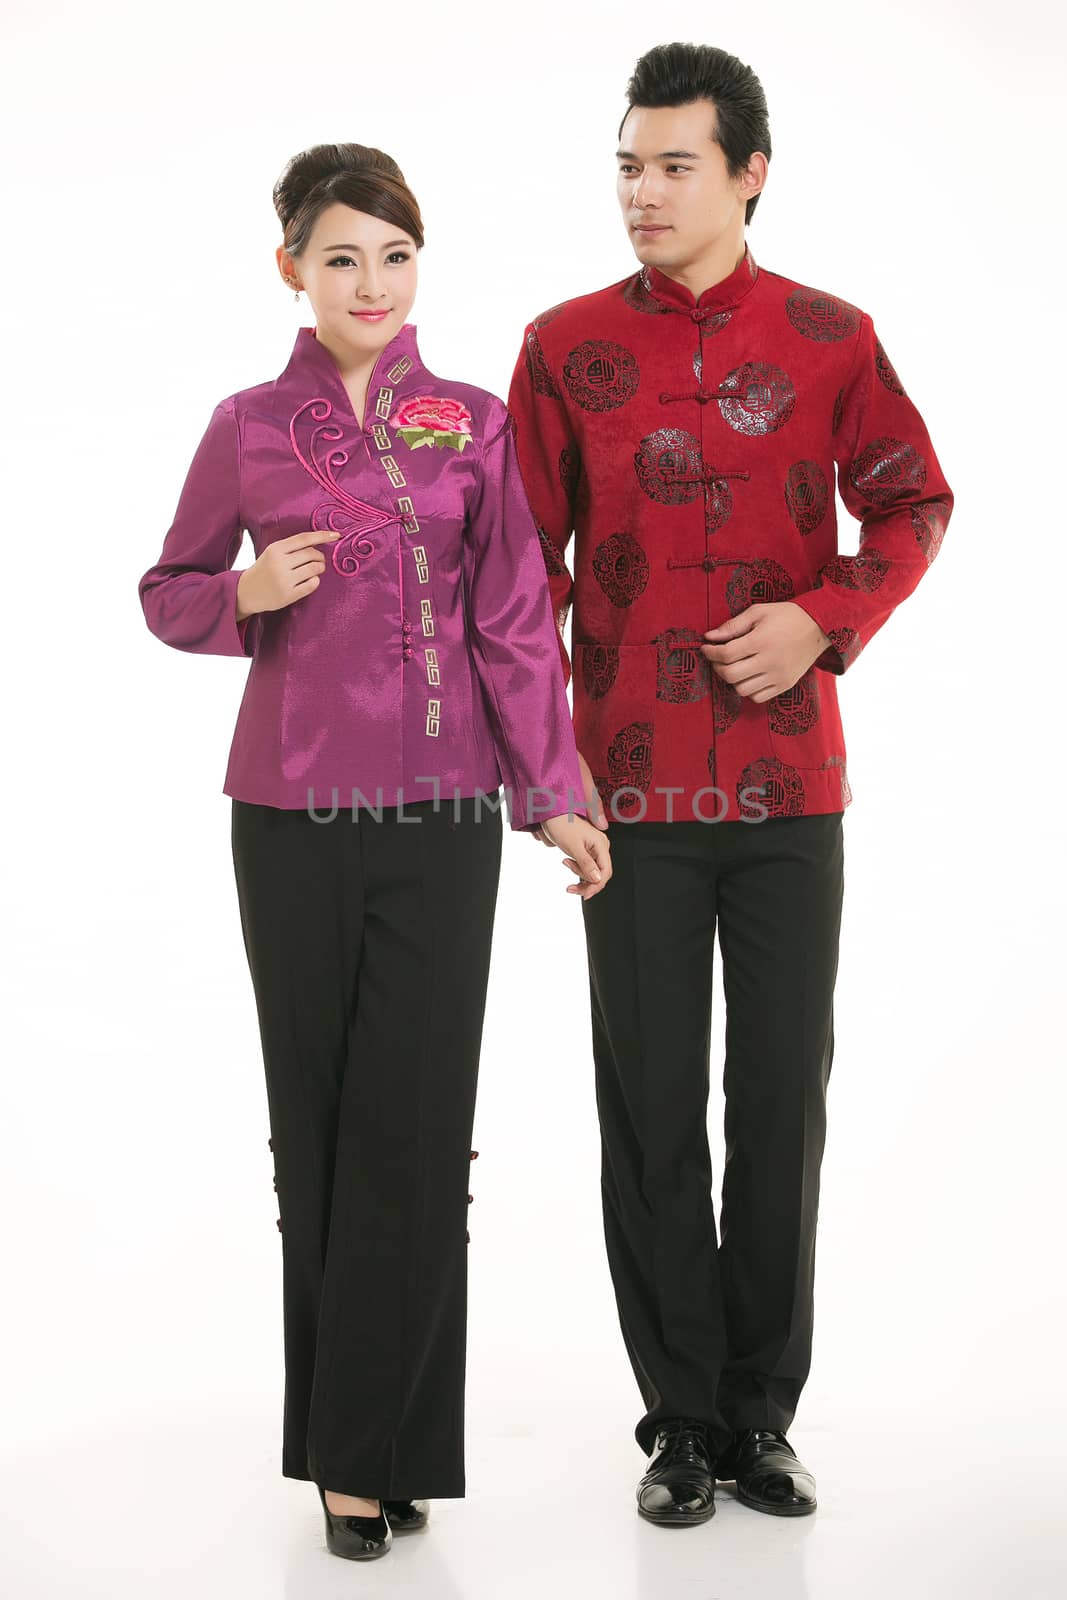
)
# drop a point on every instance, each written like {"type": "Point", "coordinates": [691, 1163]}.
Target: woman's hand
{"type": "Point", "coordinates": [287, 570]}
{"type": "Point", "coordinates": [592, 802]}
{"type": "Point", "coordinates": [587, 852]}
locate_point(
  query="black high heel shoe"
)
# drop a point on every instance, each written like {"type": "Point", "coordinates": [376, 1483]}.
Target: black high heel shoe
{"type": "Point", "coordinates": [406, 1516]}
{"type": "Point", "coordinates": [356, 1538]}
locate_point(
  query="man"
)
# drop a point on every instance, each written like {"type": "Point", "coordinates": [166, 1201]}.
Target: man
{"type": "Point", "coordinates": [685, 424]}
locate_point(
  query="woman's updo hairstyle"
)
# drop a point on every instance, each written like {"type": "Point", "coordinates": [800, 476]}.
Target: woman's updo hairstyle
{"type": "Point", "coordinates": [355, 175]}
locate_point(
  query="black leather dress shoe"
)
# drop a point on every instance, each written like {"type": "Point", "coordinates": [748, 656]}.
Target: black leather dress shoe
{"type": "Point", "coordinates": [768, 1475]}
{"type": "Point", "coordinates": [406, 1516]}
{"type": "Point", "coordinates": [355, 1538]}
{"type": "Point", "coordinates": [678, 1489]}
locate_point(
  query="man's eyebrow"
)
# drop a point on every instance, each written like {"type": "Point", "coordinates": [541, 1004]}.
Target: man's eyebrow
{"type": "Point", "coordinates": [387, 246]}
{"type": "Point", "coordinates": [664, 155]}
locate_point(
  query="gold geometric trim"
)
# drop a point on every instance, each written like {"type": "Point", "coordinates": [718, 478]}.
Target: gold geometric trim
{"type": "Point", "coordinates": [405, 506]}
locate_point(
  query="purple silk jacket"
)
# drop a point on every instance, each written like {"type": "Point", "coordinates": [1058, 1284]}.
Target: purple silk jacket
{"type": "Point", "coordinates": [426, 661]}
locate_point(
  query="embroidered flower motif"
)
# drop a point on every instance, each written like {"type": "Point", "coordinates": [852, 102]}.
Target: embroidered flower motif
{"type": "Point", "coordinates": [432, 419]}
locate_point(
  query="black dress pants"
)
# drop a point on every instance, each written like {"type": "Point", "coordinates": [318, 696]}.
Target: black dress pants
{"type": "Point", "coordinates": [717, 1331]}
{"type": "Point", "coordinates": [369, 944]}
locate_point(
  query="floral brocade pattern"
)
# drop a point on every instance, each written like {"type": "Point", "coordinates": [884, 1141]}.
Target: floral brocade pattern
{"type": "Point", "coordinates": [713, 430]}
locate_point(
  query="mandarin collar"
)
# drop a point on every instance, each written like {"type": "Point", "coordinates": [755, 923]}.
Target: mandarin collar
{"type": "Point", "coordinates": [721, 296]}
{"type": "Point", "coordinates": [398, 363]}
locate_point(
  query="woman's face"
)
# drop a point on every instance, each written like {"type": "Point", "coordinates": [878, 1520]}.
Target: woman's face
{"type": "Point", "coordinates": [354, 262]}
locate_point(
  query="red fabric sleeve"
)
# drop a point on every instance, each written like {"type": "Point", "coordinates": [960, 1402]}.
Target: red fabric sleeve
{"type": "Point", "coordinates": [890, 479]}
{"type": "Point", "coordinates": [542, 435]}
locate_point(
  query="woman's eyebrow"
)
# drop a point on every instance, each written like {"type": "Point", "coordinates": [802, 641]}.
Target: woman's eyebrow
{"type": "Point", "coordinates": [387, 246]}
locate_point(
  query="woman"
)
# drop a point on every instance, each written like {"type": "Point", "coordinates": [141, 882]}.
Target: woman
{"type": "Point", "coordinates": [404, 664]}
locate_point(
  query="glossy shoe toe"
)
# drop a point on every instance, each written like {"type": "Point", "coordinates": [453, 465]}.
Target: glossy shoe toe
{"type": "Point", "coordinates": [678, 1489]}
{"type": "Point", "coordinates": [675, 1502]}
{"type": "Point", "coordinates": [768, 1475]}
{"type": "Point", "coordinates": [406, 1516]}
{"type": "Point", "coordinates": [356, 1538]}
{"type": "Point", "coordinates": [783, 1491]}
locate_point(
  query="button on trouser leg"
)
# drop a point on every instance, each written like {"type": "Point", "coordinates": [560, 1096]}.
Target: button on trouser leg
{"type": "Point", "coordinates": [388, 1403]}
{"type": "Point", "coordinates": [371, 1041]}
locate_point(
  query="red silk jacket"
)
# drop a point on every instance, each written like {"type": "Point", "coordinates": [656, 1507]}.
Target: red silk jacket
{"type": "Point", "coordinates": [690, 446]}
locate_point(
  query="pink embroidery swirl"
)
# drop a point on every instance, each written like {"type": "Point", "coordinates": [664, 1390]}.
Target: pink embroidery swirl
{"type": "Point", "coordinates": [343, 511]}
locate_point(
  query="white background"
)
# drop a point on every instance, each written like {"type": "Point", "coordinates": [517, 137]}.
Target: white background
{"type": "Point", "coordinates": [917, 171]}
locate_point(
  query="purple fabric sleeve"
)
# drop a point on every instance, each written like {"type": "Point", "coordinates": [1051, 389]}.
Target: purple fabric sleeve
{"type": "Point", "coordinates": [515, 646]}
{"type": "Point", "coordinates": [189, 597]}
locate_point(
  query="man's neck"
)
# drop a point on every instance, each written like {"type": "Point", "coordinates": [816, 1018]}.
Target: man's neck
{"type": "Point", "coordinates": [722, 258]}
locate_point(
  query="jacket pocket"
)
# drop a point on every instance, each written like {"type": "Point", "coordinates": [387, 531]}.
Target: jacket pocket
{"type": "Point", "coordinates": [615, 721]}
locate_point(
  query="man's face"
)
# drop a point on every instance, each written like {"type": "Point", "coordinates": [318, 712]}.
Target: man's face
{"type": "Point", "coordinates": [673, 175]}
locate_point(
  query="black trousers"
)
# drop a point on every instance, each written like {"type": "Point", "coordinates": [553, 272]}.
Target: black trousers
{"type": "Point", "coordinates": [369, 944]}
{"type": "Point", "coordinates": [717, 1331]}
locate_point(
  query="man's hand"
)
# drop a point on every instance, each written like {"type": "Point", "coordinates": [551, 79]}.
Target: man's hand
{"type": "Point", "coordinates": [592, 801]}
{"type": "Point", "coordinates": [766, 648]}
{"type": "Point", "coordinates": [589, 856]}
